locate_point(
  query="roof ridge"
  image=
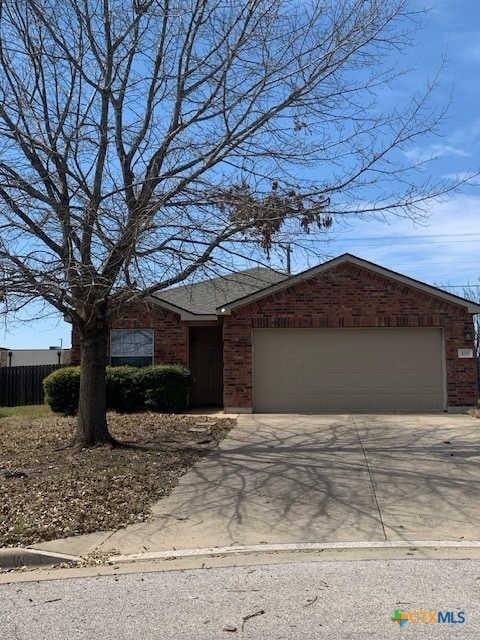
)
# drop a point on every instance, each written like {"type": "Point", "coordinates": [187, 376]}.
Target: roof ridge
{"type": "Point", "coordinates": [228, 277]}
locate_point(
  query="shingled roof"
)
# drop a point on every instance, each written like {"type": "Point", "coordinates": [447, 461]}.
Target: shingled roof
{"type": "Point", "coordinates": [204, 297]}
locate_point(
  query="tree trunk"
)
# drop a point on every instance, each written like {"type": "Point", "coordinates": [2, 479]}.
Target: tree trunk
{"type": "Point", "coordinates": [92, 426]}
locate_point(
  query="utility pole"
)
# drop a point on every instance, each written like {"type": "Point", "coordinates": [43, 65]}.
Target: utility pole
{"type": "Point", "coordinates": [288, 251]}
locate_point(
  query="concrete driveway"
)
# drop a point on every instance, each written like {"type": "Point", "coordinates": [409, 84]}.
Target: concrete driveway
{"type": "Point", "coordinates": [328, 478]}
{"type": "Point", "coordinates": [317, 478]}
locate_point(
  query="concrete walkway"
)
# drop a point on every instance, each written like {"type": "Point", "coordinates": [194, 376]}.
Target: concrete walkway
{"type": "Point", "coordinates": [328, 478]}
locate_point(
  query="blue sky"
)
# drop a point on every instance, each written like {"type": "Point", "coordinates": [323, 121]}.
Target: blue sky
{"type": "Point", "coordinates": [442, 248]}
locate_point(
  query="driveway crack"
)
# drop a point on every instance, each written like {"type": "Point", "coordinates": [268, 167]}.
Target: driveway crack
{"type": "Point", "coordinates": [370, 476]}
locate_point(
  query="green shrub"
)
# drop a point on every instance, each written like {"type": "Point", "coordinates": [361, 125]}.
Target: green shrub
{"type": "Point", "coordinates": [123, 390]}
{"type": "Point", "coordinates": [165, 388]}
{"type": "Point", "coordinates": [61, 389]}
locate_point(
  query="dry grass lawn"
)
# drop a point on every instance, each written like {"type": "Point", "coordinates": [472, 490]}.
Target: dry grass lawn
{"type": "Point", "coordinates": [48, 491]}
{"type": "Point", "coordinates": [28, 411]}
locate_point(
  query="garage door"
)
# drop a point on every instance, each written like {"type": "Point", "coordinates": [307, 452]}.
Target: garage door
{"type": "Point", "coordinates": [315, 370]}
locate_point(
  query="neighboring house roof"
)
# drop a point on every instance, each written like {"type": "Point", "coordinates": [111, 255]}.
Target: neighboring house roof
{"type": "Point", "coordinates": [225, 308]}
{"type": "Point", "coordinates": [203, 298]}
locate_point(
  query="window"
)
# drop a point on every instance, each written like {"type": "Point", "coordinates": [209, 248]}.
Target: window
{"type": "Point", "coordinates": [131, 346]}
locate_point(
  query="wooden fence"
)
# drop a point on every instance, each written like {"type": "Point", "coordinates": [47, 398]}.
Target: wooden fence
{"type": "Point", "coordinates": [23, 385]}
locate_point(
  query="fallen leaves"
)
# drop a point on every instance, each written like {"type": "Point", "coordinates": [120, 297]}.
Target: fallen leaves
{"type": "Point", "coordinates": [48, 491]}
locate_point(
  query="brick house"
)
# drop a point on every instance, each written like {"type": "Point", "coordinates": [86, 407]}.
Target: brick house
{"type": "Point", "coordinates": [347, 335]}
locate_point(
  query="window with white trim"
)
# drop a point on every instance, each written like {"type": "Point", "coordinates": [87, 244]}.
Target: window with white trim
{"type": "Point", "coordinates": [132, 347]}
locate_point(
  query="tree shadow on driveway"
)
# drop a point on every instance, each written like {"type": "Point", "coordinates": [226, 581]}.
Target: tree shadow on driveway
{"type": "Point", "coordinates": [426, 474]}
{"type": "Point", "coordinates": [283, 479]}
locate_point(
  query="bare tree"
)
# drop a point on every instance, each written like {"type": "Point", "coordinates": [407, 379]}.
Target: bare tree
{"type": "Point", "coordinates": [144, 140]}
{"type": "Point", "coordinates": [472, 292]}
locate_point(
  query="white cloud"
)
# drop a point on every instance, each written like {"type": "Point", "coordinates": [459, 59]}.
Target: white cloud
{"type": "Point", "coordinates": [430, 152]}
{"type": "Point", "coordinates": [466, 135]}
{"type": "Point", "coordinates": [441, 249]}
{"type": "Point", "coordinates": [463, 176]}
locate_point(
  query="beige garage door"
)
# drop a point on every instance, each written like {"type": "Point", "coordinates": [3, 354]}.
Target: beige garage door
{"type": "Point", "coordinates": [315, 370]}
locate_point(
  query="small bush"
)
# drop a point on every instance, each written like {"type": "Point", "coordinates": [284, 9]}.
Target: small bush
{"type": "Point", "coordinates": [165, 388]}
{"type": "Point", "coordinates": [61, 389]}
{"type": "Point", "coordinates": [123, 390]}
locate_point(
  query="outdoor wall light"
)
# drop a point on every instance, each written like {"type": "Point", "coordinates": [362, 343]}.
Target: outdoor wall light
{"type": "Point", "coordinates": [467, 334]}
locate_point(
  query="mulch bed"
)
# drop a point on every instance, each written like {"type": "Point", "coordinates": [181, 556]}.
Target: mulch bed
{"type": "Point", "coordinates": [48, 491]}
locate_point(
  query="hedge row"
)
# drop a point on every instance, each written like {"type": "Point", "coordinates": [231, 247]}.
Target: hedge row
{"type": "Point", "coordinates": [163, 388]}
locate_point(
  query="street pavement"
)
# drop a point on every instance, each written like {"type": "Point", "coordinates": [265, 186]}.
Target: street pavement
{"type": "Point", "coordinates": [303, 600]}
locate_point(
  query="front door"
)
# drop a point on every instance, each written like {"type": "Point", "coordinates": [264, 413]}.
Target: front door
{"type": "Point", "coordinates": [206, 366]}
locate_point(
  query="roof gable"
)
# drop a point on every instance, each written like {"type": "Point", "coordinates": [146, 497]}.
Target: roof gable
{"type": "Point", "coordinates": [342, 259]}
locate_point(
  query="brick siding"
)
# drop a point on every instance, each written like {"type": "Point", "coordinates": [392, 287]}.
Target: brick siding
{"type": "Point", "coordinates": [347, 296]}
{"type": "Point", "coordinates": [344, 296]}
{"type": "Point", "coordinates": [170, 335]}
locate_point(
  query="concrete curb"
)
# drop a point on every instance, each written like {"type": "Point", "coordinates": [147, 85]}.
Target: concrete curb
{"type": "Point", "coordinates": [16, 557]}
{"type": "Point", "coordinates": [287, 547]}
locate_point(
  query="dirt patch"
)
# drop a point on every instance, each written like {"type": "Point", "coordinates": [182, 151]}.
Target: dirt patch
{"type": "Point", "coordinates": [47, 492]}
